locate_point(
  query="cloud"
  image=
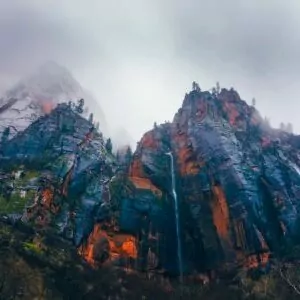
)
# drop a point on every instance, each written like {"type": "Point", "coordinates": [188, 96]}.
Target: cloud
{"type": "Point", "coordinates": [29, 35]}
{"type": "Point", "coordinates": [139, 57]}
{"type": "Point", "coordinates": [258, 36]}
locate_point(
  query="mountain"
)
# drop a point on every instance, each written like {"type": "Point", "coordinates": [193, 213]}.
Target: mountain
{"type": "Point", "coordinates": [237, 183]}
{"type": "Point", "coordinates": [65, 168]}
{"type": "Point", "coordinates": [39, 93]}
{"type": "Point", "coordinates": [211, 198]}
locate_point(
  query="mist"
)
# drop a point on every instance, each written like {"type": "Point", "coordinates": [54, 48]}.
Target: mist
{"type": "Point", "coordinates": [139, 58]}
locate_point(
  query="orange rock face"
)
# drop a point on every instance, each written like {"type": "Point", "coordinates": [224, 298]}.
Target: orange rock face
{"type": "Point", "coordinates": [231, 232]}
{"type": "Point", "coordinates": [47, 107]}
{"type": "Point", "coordinates": [232, 112]}
{"type": "Point", "coordinates": [136, 168]}
{"type": "Point", "coordinates": [145, 184]}
{"type": "Point", "coordinates": [47, 198]}
{"type": "Point", "coordinates": [257, 260]}
{"type": "Point", "coordinates": [187, 163]}
{"type": "Point", "coordinates": [110, 246]}
{"type": "Point", "coordinates": [221, 214]}
{"type": "Point", "coordinates": [149, 141]}
{"type": "Point", "coordinates": [223, 192]}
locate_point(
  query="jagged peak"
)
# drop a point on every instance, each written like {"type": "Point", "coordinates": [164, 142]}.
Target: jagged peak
{"type": "Point", "coordinates": [222, 99]}
{"type": "Point", "coordinates": [40, 92]}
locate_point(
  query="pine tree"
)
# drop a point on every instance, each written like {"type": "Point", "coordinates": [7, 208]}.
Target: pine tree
{"type": "Point", "coordinates": [97, 126]}
{"type": "Point", "coordinates": [118, 156]}
{"type": "Point", "coordinates": [5, 135]}
{"type": "Point", "coordinates": [289, 128]}
{"type": "Point", "coordinates": [86, 110]}
{"type": "Point", "coordinates": [80, 106]}
{"type": "Point", "coordinates": [91, 118]}
{"type": "Point", "coordinates": [267, 122]}
{"type": "Point", "coordinates": [218, 87]}
{"type": "Point", "coordinates": [128, 155]}
{"type": "Point", "coordinates": [108, 146]}
{"type": "Point", "coordinates": [195, 87]}
{"type": "Point", "coordinates": [253, 102]}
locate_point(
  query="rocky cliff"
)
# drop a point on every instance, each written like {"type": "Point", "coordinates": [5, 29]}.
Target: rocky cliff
{"type": "Point", "coordinates": [55, 174]}
{"type": "Point", "coordinates": [237, 181]}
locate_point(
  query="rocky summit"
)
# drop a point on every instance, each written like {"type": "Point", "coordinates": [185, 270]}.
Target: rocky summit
{"type": "Point", "coordinates": [40, 92]}
{"type": "Point", "coordinates": [237, 181]}
{"type": "Point", "coordinates": [211, 199]}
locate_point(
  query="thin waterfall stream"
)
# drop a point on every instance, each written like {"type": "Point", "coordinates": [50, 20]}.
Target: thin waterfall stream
{"type": "Point", "coordinates": [179, 253]}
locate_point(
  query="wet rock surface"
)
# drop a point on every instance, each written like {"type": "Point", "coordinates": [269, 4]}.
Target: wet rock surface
{"type": "Point", "coordinates": [238, 184]}
{"type": "Point", "coordinates": [66, 170]}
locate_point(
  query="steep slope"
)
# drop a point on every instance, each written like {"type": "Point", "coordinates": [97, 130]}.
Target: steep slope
{"type": "Point", "coordinates": [35, 265]}
{"type": "Point", "coordinates": [238, 185]}
{"type": "Point", "coordinates": [65, 171]}
{"type": "Point", "coordinates": [237, 181]}
{"type": "Point", "coordinates": [38, 94]}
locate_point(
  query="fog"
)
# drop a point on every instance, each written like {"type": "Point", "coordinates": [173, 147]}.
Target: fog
{"type": "Point", "coordinates": [139, 57]}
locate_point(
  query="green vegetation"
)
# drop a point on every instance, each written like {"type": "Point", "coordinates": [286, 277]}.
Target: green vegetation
{"type": "Point", "coordinates": [28, 175]}
{"type": "Point", "coordinates": [32, 247]}
{"type": "Point", "coordinates": [60, 274]}
{"type": "Point", "coordinates": [108, 146]}
{"type": "Point", "coordinates": [15, 204]}
{"type": "Point", "coordinates": [5, 135]}
{"type": "Point", "coordinates": [120, 188]}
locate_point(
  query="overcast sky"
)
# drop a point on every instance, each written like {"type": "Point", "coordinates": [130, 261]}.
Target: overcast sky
{"type": "Point", "coordinates": [139, 57]}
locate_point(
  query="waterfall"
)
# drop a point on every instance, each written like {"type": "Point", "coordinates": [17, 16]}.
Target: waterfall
{"type": "Point", "coordinates": [179, 253]}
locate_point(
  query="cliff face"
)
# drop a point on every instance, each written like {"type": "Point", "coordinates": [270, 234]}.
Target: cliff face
{"type": "Point", "coordinates": [237, 182]}
{"type": "Point", "coordinates": [56, 174]}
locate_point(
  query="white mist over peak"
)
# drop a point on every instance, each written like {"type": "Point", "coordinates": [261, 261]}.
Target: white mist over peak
{"type": "Point", "coordinates": [122, 139]}
{"type": "Point", "coordinates": [39, 93]}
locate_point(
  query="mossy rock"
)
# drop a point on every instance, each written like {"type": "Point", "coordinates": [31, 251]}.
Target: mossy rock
{"type": "Point", "coordinates": [15, 204]}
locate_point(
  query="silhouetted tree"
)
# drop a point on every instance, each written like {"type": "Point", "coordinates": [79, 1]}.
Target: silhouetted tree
{"type": "Point", "coordinates": [71, 105]}
{"type": "Point", "coordinates": [80, 106]}
{"type": "Point", "coordinates": [289, 128]}
{"type": "Point", "coordinates": [253, 102]}
{"type": "Point", "coordinates": [5, 135]}
{"type": "Point", "coordinates": [218, 89]}
{"type": "Point", "coordinates": [91, 118]}
{"type": "Point", "coordinates": [282, 126]}
{"type": "Point", "coordinates": [97, 126]}
{"type": "Point", "coordinates": [86, 110]}
{"type": "Point", "coordinates": [214, 91]}
{"type": "Point", "coordinates": [118, 156]}
{"type": "Point", "coordinates": [128, 155]}
{"type": "Point", "coordinates": [267, 122]}
{"type": "Point", "coordinates": [195, 86]}
{"type": "Point", "coordinates": [108, 145]}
